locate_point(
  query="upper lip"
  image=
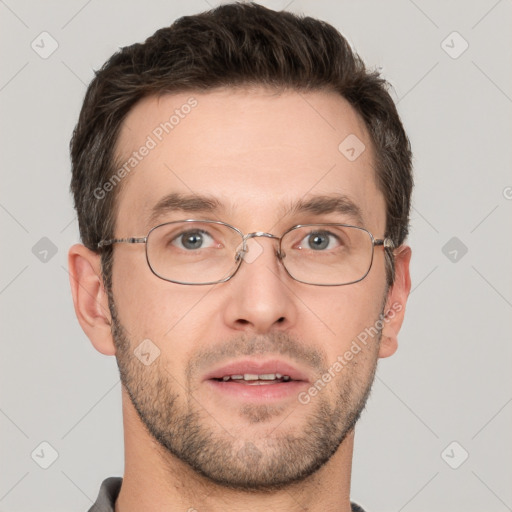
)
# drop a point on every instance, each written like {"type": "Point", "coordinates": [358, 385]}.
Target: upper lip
{"type": "Point", "coordinates": [257, 367]}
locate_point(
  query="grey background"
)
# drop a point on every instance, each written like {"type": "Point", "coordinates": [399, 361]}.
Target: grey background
{"type": "Point", "coordinates": [449, 381]}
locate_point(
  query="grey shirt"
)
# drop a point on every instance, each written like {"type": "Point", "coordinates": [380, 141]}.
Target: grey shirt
{"type": "Point", "coordinates": [110, 488]}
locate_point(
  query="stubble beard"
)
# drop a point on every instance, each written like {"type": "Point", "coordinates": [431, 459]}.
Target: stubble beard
{"type": "Point", "coordinates": [185, 430]}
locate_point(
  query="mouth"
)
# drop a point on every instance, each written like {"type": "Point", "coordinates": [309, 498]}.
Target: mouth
{"type": "Point", "coordinates": [257, 381]}
{"type": "Point", "coordinates": [252, 379]}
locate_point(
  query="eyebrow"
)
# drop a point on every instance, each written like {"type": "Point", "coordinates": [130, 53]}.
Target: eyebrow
{"type": "Point", "coordinates": [184, 203]}
{"type": "Point", "coordinates": [338, 203]}
{"type": "Point", "coordinates": [195, 203]}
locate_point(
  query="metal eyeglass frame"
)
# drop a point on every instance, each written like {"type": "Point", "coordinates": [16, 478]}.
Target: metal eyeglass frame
{"type": "Point", "coordinates": [387, 243]}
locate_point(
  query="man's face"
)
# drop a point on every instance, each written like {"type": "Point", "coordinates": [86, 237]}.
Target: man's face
{"type": "Point", "coordinates": [257, 154]}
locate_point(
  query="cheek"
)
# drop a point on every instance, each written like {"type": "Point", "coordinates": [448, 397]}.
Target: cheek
{"type": "Point", "coordinates": [349, 314]}
{"type": "Point", "coordinates": [131, 293]}
{"type": "Point", "coordinates": [149, 307]}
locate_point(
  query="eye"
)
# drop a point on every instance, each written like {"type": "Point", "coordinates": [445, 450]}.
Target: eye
{"type": "Point", "coordinates": [193, 240]}
{"type": "Point", "coordinates": [319, 241]}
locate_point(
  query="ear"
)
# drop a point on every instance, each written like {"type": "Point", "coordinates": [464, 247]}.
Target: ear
{"type": "Point", "coordinates": [90, 298]}
{"type": "Point", "coordinates": [395, 304]}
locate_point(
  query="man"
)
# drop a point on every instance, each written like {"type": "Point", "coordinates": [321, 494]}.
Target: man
{"type": "Point", "coordinates": [242, 184]}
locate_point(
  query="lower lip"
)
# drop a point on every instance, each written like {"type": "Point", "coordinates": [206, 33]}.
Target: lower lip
{"type": "Point", "coordinates": [258, 392]}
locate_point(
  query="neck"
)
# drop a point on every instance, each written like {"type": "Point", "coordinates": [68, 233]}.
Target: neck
{"type": "Point", "coordinates": [154, 480]}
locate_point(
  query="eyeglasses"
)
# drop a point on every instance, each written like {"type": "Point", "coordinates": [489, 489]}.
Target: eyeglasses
{"type": "Point", "coordinates": [202, 252]}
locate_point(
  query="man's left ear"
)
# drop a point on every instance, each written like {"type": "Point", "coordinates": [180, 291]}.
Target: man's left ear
{"type": "Point", "coordinates": [395, 303]}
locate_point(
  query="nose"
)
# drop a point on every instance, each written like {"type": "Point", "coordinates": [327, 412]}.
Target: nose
{"type": "Point", "coordinates": [260, 297]}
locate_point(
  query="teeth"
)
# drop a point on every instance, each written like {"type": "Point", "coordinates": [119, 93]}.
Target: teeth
{"type": "Point", "coordinates": [253, 377]}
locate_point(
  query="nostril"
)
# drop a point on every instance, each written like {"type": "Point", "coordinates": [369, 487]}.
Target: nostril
{"type": "Point", "coordinates": [280, 320]}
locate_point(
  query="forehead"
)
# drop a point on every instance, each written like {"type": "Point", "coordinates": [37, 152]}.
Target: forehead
{"type": "Point", "coordinates": [255, 152]}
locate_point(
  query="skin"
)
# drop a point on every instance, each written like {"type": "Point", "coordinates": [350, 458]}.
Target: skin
{"type": "Point", "coordinates": [257, 152]}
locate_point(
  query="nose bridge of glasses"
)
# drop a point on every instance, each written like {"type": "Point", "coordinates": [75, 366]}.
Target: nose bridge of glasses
{"type": "Point", "coordinates": [260, 233]}
{"type": "Point", "coordinates": [243, 250]}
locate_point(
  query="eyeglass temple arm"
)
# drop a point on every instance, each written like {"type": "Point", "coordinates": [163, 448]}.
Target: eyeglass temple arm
{"type": "Point", "coordinates": [385, 242]}
{"type": "Point", "coordinates": [105, 243]}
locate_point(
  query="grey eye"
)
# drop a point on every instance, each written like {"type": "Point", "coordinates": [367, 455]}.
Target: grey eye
{"type": "Point", "coordinates": [190, 240]}
{"type": "Point", "coordinates": [318, 241]}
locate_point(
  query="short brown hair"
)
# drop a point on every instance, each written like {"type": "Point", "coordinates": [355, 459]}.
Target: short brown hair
{"type": "Point", "coordinates": [239, 44]}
